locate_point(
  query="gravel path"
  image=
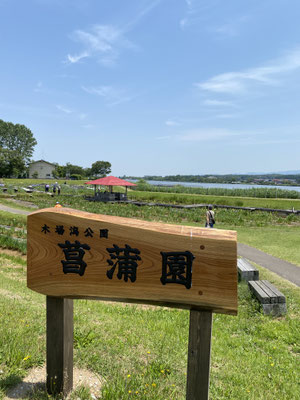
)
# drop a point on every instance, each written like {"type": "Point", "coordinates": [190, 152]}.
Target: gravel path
{"type": "Point", "coordinates": [283, 268]}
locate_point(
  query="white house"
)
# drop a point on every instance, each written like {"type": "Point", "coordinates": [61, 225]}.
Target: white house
{"type": "Point", "coordinates": [41, 169]}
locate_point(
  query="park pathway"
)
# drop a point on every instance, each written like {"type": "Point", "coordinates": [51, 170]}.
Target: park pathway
{"type": "Point", "coordinates": [282, 268]}
{"type": "Point", "coordinates": [13, 210]}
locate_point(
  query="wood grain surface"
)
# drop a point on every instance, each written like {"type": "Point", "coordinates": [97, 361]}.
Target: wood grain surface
{"type": "Point", "coordinates": [214, 267]}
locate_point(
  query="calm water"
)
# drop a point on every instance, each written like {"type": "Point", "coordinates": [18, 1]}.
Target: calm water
{"type": "Point", "coordinates": [219, 185]}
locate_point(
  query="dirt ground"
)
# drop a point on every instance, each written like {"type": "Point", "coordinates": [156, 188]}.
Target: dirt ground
{"type": "Point", "coordinates": [36, 381]}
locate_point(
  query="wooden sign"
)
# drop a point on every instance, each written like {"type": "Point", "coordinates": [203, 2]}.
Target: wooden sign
{"type": "Point", "coordinates": [74, 254]}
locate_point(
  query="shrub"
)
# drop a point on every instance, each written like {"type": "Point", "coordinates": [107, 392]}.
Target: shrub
{"type": "Point", "coordinates": [76, 177]}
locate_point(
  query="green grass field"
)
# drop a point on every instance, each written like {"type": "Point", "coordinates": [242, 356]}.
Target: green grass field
{"type": "Point", "coordinates": [276, 235]}
{"type": "Point", "coordinates": [186, 198]}
{"type": "Point", "coordinates": [140, 352]}
{"type": "Point", "coordinates": [280, 241]}
{"type": "Point", "coordinates": [79, 187]}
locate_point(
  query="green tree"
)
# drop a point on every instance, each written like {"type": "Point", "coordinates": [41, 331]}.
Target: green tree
{"type": "Point", "coordinates": [67, 170]}
{"type": "Point", "coordinates": [101, 168]}
{"type": "Point", "coordinates": [16, 148]}
{"type": "Point", "coordinates": [72, 169]}
{"type": "Point", "coordinates": [87, 172]}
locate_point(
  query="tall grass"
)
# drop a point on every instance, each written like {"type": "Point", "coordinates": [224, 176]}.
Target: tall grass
{"type": "Point", "coordinates": [187, 198]}
{"type": "Point", "coordinates": [69, 187]}
{"type": "Point", "coordinates": [9, 242]}
{"type": "Point", "coordinates": [251, 192]}
{"type": "Point", "coordinates": [14, 220]}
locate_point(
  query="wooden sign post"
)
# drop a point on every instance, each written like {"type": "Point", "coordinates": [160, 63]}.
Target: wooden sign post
{"type": "Point", "coordinates": [78, 255]}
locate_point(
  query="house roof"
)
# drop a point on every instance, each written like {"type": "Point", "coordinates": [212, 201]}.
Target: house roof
{"type": "Point", "coordinates": [46, 162]}
{"type": "Point", "coordinates": [110, 181]}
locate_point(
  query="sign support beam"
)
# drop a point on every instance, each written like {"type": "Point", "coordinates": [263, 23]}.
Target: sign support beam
{"type": "Point", "coordinates": [59, 345]}
{"type": "Point", "coordinates": [72, 254]}
{"type": "Point", "coordinates": [199, 355]}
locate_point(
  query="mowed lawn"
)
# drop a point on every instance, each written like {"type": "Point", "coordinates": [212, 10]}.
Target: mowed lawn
{"type": "Point", "coordinates": [140, 352]}
{"type": "Point", "coordinates": [280, 240]}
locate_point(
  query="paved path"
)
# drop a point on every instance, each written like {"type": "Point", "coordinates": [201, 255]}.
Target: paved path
{"type": "Point", "coordinates": [14, 210]}
{"type": "Point", "coordinates": [283, 268]}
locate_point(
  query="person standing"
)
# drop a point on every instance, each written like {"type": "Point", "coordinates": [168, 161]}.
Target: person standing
{"type": "Point", "coordinates": [210, 217]}
{"type": "Point", "coordinates": [54, 187]}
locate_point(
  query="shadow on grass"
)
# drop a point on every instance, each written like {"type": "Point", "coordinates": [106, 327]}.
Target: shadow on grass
{"type": "Point", "coordinates": [19, 389]}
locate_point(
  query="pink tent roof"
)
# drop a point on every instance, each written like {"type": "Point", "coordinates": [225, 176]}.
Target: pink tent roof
{"type": "Point", "coordinates": [110, 181]}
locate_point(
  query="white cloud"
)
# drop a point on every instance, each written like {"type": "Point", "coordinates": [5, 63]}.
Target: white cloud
{"type": "Point", "coordinates": [183, 22]}
{"type": "Point", "coordinates": [218, 103]}
{"type": "Point", "coordinates": [76, 58]}
{"type": "Point", "coordinates": [195, 10]}
{"type": "Point", "coordinates": [205, 135]}
{"type": "Point", "coordinates": [238, 82]}
{"type": "Point", "coordinates": [104, 91]}
{"type": "Point", "coordinates": [164, 137]}
{"type": "Point", "coordinates": [171, 123]}
{"type": "Point", "coordinates": [231, 28]}
{"type": "Point", "coordinates": [64, 109]}
{"type": "Point", "coordinates": [82, 116]}
{"type": "Point", "coordinates": [111, 95]}
{"type": "Point", "coordinates": [146, 10]}
{"type": "Point", "coordinates": [226, 30]}
{"type": "Point", "coordinates": [104, 42]}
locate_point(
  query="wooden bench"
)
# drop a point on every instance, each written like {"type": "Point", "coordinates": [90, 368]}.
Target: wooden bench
{"type": "Point", "coordinates": [272, 300]}
{"type": "Point", "coordinates": [247, 271]}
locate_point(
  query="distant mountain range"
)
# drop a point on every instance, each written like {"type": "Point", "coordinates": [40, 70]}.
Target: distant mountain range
{"type": "Point", "coordinates": [289, 172]}
{"type": "Point", "coordinates": [272, 173]}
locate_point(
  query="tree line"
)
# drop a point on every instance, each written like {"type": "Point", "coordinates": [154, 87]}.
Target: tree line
{"type": "Point", "coordinates": [16, 148]}
{"type": "Point", "coordinates": [98, 169]}
{"type": "Point", "coordinates": [266, 179]}
{"type": "Point", "coordinates": [17, 144]}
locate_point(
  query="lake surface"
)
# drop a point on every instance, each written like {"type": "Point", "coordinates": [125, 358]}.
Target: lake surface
{"type": "Point", "coordinates": [219, 185]}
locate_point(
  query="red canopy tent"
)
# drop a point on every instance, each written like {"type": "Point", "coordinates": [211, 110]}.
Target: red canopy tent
{"type": "Point", "coordinates": [110, 181]}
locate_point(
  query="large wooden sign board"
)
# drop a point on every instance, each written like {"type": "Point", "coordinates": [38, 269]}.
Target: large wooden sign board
{"type": "Point", "coordinates": [73, 254]}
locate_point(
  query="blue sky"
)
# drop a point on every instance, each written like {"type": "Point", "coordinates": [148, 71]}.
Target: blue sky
{"type": "Point", "coordinates": [155, 86]}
